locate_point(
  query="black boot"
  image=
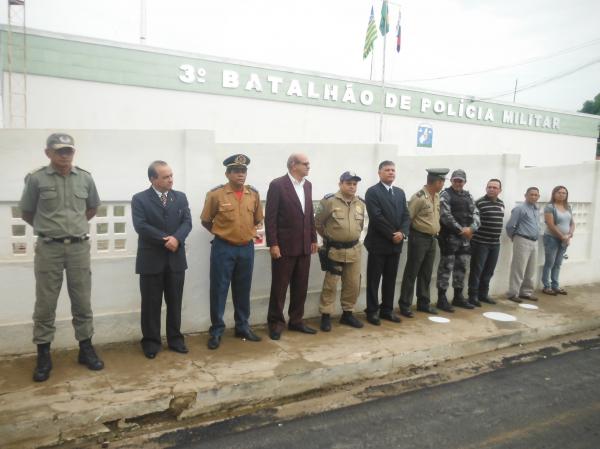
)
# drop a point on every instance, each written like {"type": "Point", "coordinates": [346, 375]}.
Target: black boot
{"type": "Point", "coordinates": [44, 363]}
{"type": "Point", "coordinates": [349, 319]}
{"type": "Point", "coordinates": [442, 302]}
{"type": "Point", "coordinates": [460, 301]}
{"type": "Point", "coordinates": [88, 357]}
{"type": "Point", "coordinates": [325, 322]}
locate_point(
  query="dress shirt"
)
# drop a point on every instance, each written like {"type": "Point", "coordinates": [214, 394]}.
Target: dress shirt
{"type": "Point", "coordinates": [524, 221]}
{"type": "Point", "coordinates": [299, 188]}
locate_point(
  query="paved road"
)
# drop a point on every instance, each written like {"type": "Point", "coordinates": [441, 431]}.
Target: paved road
{"type": "Point", "coordinates": [549, 403]}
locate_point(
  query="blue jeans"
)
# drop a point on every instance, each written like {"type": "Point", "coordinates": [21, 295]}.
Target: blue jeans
{"type": "Point", "coordinates": [230, 264]}
{"type": "Point", "coordinates": [483, 263]}
{"type": "Point", "coordinates": [554, 251]}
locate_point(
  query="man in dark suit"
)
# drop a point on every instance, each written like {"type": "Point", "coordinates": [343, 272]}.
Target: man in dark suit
{"type": "Point", "coordinates": [389, 223]}
{"type": "Point", "coordinates": [291, 238]}
{"type": "Point", "coordinates": [161, 217]}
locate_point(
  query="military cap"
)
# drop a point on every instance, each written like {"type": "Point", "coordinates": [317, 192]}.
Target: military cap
{"type": "Point", "coordinates": [237, 160]}
{"type": "Point", "coordinates": [439, 173]}
{"type": "Point", "coordinates": [349, 176]}
{"type": "Point", "coordinates": [459, 174]}
{"type": "Point", "coordinates": [57, 141]}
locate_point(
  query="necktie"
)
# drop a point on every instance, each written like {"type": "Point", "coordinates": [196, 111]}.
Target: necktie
{"type": "Point", "coordinates": [391, 192]}
{"type": "Point", "coordinates": [163, 199]}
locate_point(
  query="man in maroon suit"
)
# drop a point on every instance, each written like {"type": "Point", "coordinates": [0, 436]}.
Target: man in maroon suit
{"type": "Point", "coordinates": [291, 238]}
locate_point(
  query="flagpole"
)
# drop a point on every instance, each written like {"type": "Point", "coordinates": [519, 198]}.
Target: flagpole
{"type": "Point", "coordinates": [382, 90]}
{"type": "Point", "coordinates": [371, 75]}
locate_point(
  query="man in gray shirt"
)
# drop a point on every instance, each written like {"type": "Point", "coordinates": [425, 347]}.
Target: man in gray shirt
{"type": "Point", "coordinates": [523, 228]}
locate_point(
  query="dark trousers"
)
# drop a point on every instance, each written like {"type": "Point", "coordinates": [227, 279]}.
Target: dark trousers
{"type": "Point", "coordinates": [384, 268]}
{"type": "Point", "coordinates": [292, 271]}
{"type": "Point", "coordinates": [230, 264]}
{"type": "Point", "coordinates": [483, 262]}
{"type": "Point", "coordinates": [152, 287]}
{"type": "Point", "coordinates": [419, 267]}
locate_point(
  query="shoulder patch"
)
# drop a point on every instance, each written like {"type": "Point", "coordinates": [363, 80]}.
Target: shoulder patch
{"type": "Point", "coordinates": [329, 195]}
{"type": "Point", "coordinates": [420, 194]}
{"type": "Point", "coordinates": [83, 170]}
{"type": "Point", "coordinates": [217, 187]}
{"type": "Point", "coordinates": [254, 189]}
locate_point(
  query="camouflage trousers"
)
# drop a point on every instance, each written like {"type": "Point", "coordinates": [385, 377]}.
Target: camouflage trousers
{"type": "Point", "coordinates": [454, 260]}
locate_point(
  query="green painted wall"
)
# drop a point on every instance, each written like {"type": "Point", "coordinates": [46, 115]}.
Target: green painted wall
{"type": "Point", "coordinates": [101, 62]}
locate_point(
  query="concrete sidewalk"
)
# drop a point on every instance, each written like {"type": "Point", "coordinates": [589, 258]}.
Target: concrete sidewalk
{"type": "Point", "coordinates": [76, 402]}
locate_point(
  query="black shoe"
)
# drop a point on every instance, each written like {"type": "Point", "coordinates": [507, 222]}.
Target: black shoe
{"type": "Point", "coordinates": [88, 356]}
{"type": "Point", "coordinates": [463, 304]}
{"type": "Point", "coordinates": [247, 335]}
{"type": "Point", "coordinates": [474, 302]}
{"type": "Point", "coordinates": [390, 316]}
{"type": "Point", "coordinates": [445, 306]}
{"type": "Point", "coordinates": [180, 348]}
{"type": "Point", "coordinates": [373, 319]}
{"type": "Point", "coordinates": [487, 300]}
{"type": "Point", "coordinates": [349, 319]}
{"type": "Point", "coordinates": [274, 335]}
{"type": "Point", "coordinates": [325, 322]}
{"type": "Point", "coordinates": [528, 297]}
{"type": "Point", "coordinates": [44, 363]}
{"type": "Point", "coordinates": [214, 341]}
{"type": "Point", "coordinates": [427, 308]}
{"type": "Point", "coordinates": [407, 313]}
{"type": "Point", "coordinates": [302, 328]}
{"type": "Point", "coordinates": [150, 354]}
{"type": "Point", "coordinates": [514, 299]}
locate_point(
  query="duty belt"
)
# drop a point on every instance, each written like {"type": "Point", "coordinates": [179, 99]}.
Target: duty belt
{"type": "Point", "coordinates": [64, 240]}
{"type": "Point", "coordinates": [342, 245]}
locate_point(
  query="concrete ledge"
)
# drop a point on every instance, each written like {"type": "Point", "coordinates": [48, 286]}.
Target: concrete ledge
{"type": "Point", "coordinates": [76, 402]}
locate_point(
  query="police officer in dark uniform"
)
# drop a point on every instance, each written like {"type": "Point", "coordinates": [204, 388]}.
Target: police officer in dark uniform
{"type": "Point", "coordinates": [232, 213]}
{"type": "Point", "coordinates": [58, 200]}
{"type": "Point", "coordinates": [424, 209]}
{"type": "Point", "coordinates": [459, 219]}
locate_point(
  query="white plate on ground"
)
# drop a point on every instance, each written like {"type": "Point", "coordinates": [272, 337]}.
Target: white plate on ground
{"type": "Point", "coordinates": [499, 316]}
{"type": "Point", "coordinates": [529, 306]}
{"type": "Point", "coordinates": [438, 319]}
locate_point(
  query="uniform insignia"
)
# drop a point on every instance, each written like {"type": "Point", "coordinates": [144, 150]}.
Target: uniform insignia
{"type": "Point", "coordinates": [217, 188]}
{"type": "Point", "coordinates": [254, 189]}
{"type": "Point", "coordinates": [359, 209]}
{"type": "Point", "coordinates": [82, 169]}
{"type": "Point", "coordinates": [329, 195]}
{"type": "Point", "coordinates": [420, 194]}
{"type": "Point", "coordinates": [64, 139]}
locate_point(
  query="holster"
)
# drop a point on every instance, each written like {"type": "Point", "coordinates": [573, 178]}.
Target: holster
{"type": "Point", "coordinates": [327, 264]}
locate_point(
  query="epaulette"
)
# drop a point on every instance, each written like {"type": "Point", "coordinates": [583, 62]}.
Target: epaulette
{"type": "Point", "coordinates": [217, 188]}
{"type": "Point", "coordinates": [329, 195]}
{"type": "Point", "coordinates": [83, 169]}
{"type": "Point", "coordinates": [254, 189]}
{"type": "Point", "coordinates": [34, 171]}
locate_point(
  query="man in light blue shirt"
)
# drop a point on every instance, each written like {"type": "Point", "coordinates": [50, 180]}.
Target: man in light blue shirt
{"type": "Point", "coordinates": [523, 228]}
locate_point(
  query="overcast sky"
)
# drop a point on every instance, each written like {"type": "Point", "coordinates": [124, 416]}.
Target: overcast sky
{"type": "Point", "coordinates": [439, 38]}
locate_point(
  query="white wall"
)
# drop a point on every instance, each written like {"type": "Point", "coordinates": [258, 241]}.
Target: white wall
{"type": "Point", "coordinates": [118, 160]}
{"type": "Point", "coordinates": [91, 105]}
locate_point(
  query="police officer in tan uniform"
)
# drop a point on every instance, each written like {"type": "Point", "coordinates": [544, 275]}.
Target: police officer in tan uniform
{"type": "Point", "coordinates": [339, 220]}
{"type": "Point", "coordinates": [58, 200]}
{"type": "Point", "coordinates": [232, 213]}
{"type": "Point", "coordinates": [424, 210]}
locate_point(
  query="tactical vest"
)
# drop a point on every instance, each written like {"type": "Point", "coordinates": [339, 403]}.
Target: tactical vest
{"type": "Point", "coordinates": [461, 207]}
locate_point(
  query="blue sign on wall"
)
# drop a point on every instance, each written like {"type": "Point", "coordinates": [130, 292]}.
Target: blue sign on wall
{"type": "Point", "coordinates": [425, 136]}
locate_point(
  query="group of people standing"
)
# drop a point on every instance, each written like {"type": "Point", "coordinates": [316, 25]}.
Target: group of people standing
{"type": "Point", "coordinates": [59, 199]}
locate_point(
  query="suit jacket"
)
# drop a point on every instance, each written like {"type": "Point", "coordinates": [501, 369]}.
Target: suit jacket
{"type": "Point", "coordinates": [152, 222]}
{"type": "Point", "coordinates": [286, 225]}
{"type": "Point", "coordinates": [387, 214]}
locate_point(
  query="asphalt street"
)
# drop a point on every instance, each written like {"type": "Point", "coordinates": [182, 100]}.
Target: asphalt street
{"type": "Point", "coordinates": [553, 402]}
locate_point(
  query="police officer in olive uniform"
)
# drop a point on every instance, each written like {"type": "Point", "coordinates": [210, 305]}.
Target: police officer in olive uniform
{"type": "Point", "coordinates": [232, 213]}
{"type": "Point", "coordinates": [459, 218]}
{"type": "Point", "coordinates": [424, 210]}
{"type": "Point", "coordinates": [58, 200]}
{"type": "Point", "coordinates": [339, 220]}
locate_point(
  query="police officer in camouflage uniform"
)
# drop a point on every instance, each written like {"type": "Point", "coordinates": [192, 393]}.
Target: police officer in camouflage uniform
{"type": "Point", "coordinates": [459, 218]}
{"type": "Point", "coordinates": [424, 210]}
{"type": "Point", "coordinates": [58, 200]}
{"type": "Point", "coordinates": [339, 220]}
